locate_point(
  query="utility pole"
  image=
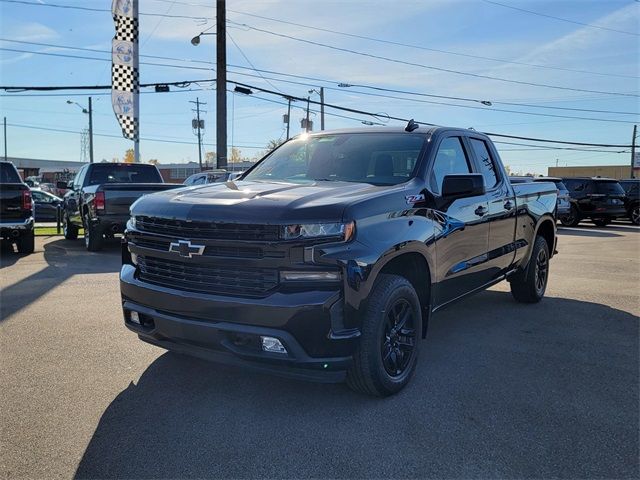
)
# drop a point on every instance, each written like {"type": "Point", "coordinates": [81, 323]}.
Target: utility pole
{"type": "Point", "coordinates": [198, 126]}
{"type": "Point", "coordinates": [321, 108]}
{"type": "Point", "coordinates": [90, 132]}
{"type": "Point", "coordinates": [633, 148]}
{"type": "Point", "coordinates": [288, 117]}
{"type": "Point", "coordinates": [221, 84]}
{"type": "Point", "coordinates": [5, 137]}
{"type": "Point", "coordinates": [306, 126]}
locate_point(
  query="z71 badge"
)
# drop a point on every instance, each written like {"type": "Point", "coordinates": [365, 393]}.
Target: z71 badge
{"type": "Point", "coordinates": [411, 199]}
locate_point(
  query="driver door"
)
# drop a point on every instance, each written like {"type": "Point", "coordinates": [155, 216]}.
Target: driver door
{"type": "Point", "coordinates": [463, 238]}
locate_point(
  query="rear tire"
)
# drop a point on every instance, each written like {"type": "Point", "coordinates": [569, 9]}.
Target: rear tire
{"type": "Point", "coordinates": [529, 285]}
{"type": "Point", "coordinates": [26, 243]}
{"type": "Point", "coordinates": [571, 219]}
{"type": "Point", "coordinates": [92, 238]}
{"type": "Point", "coordinates": [386, 356]}
{"type": "Point", "coordinates": [70, 231]}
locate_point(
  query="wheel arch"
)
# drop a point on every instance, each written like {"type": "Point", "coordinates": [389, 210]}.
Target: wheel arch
{"type": "Point", "coordinates": [547, 229]}
{"type": "Point", "coordinates": [415, 267]}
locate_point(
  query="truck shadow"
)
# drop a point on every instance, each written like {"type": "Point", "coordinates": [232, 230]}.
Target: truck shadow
{"type": "Point", "coordinates": [579, 232]}
{"type": "Point", "coordinates": [63, 259]}
{"type": "Point", "coordinates": [502, 390]}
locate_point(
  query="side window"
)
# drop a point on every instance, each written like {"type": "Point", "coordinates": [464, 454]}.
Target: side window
{"type": "Point", "coordinates": [79, 178]}
{"type": "Point", "coordinates": [486, 163]}
{"type": "Point", "coordinates": [38, 197]}
{"type": "Point", "coordinates": [450, 159]}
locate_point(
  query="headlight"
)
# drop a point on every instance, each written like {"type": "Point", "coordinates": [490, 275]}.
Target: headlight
{"type": "Point", "coordinates": [318, 230]}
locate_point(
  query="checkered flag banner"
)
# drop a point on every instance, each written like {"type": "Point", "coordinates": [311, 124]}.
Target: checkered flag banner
{"type": "Point", "coordinates": [125, 79]}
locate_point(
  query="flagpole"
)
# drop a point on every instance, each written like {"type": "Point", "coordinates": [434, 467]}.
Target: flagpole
{"type": "Point", "coordinates": [136, 96]}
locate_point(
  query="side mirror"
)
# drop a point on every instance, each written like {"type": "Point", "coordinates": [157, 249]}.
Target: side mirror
{"type": "Point", "coordinates": [62, 185]}
{"type": "Point", "coordinates": [460, 186]}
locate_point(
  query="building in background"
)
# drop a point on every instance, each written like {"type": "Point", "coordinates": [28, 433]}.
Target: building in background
{"type": "Point", "coordinates": [618, 172]}
{"type": "Point", "coordinates": [179, 172]}
{"type": "Point", "coordinates": [46, 170]}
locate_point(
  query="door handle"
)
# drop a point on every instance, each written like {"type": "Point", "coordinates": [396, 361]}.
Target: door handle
{"type": "Point", "coordinates": [480, 211]}
{"type": "Point", "coordinates": [508, 205]}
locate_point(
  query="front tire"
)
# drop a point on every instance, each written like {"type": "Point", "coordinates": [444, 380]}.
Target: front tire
{"type": "Point", "coordinates": [92, 237]}
{"type": "Point", "coordinates": [571, 219]}
{"type": "Point", "coordinates": [529, 285]}
{"type": "Point", "coordinates": [26, 243]}
{"type": "Point", "coordinates": [70, 231]}
{"type": "Point", "coordinates": [386, 356]}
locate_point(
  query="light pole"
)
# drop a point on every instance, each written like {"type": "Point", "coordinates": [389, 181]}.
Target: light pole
{"type": "Point", "coordinates": [321, 94]}
{"type": "Point", "coordinates": [88, 111]}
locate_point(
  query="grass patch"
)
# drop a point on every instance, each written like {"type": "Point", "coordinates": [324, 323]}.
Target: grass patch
{"type": "Point", "coordinates": [51, 231]}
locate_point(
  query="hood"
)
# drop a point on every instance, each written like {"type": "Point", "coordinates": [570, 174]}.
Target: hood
{"type": "Point", "coordinates": [258, 202]}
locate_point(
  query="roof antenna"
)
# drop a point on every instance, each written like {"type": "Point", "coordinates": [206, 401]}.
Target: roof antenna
{"type": "Point", "coordinates": [411, 126]}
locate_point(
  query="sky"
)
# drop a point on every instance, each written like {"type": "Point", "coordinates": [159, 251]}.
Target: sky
{"type": "Point", "coordinates": [583, 54]}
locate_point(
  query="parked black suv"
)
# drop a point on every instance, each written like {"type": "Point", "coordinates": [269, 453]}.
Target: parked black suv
{"type": "Point", "coordinates": [327, 258]}
{"type": "Point", "coordinates": [600, 199]}
{"type": "Point", "coordinates": [632, 189]}
{"type": "Point", "coordinates": [16, 209]}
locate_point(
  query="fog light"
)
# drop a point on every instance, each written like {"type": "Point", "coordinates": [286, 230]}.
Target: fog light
{"type": "Point", "coordinates": [309, 276]}
{"type": "Point", "coordinates": [271, 344]}
{"type": "Point", "coordinates": [135, 318]}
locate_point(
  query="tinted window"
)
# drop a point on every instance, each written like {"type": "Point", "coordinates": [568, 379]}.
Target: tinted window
{"type": "Point", "coordinates": [575, 185]}
{"type": "Point", "coordinates": [79, 178]}
{"type": "Point", "coordinates": [9, 174]}
{"type": "Point", "coordinates": [612, 188]}
{"type": "Point", "coordinates": [450, 159]}
{"type": "Point", "coordinates": [128, 173]}
{"type": "Point", "coordinates": [486, 163]}
{"type": "Point", "coordinates": [41, 197]}
{"type": "Point", "coordinates": [379, 159]}
{"type": "Point", "coordinates": [630, 187]}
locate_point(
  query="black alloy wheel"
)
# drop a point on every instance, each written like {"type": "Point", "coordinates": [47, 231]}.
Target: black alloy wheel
{"type": "Point", "coordinates": [542, 271]}
{"type": "Point", "coordinates": [399, 338]}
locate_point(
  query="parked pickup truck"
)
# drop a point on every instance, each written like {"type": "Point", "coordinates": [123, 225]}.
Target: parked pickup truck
{"type": "Point", "coordinates": [100, 195]}
{"type": "Point", "coordinates": [326, 259]}
{"type": "Point", "coordinates": [16, 209]}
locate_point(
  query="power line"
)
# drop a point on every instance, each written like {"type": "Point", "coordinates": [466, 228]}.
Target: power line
{"type": "Point", "coordinates": [419, 47]}
{"type": "Point", "coordinates": [161, 140]}
{"type": "Point", "coordinates": [92, 9]}
{"type": "Point", "coordinates": [341, 84]}
{"type": "Point", "coordinates": [431, 67]}
{"type": "Point", "coordinates": [575, 22]}
{"type": "Point", "coordinates": [249, 61]}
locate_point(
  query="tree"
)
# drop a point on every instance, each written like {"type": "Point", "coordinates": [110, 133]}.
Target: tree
{"type": "Point", "coordinates": [273, 144]}
{"type": "Point", "coordinates": [236, 155]}
{"type": "Point", "coordinates": [209, 159]}
{"type": "Point", "coordinates": [128, 156]}
{"type": "Point", "coordinates": [153, 161]}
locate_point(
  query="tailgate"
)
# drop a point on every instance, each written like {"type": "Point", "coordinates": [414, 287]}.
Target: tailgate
{"type": "Point", "coordinates": [11, 201]}
{"type": "Point", "coordinates": [120, 196]}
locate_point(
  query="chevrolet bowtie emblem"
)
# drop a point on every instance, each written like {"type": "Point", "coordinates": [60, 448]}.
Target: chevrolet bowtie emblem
{"type": "Point", "coordinates": [186, 249]}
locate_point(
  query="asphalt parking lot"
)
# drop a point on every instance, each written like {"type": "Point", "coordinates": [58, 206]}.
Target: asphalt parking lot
{"type": "Point", "coordinates": [502, 389]}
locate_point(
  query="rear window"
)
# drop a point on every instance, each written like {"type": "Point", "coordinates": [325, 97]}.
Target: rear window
{"type": "Point", "coordinates": [130, 173]}
{"type": "Point", "coordinates": [559, 184]}
{"type": "Point", "coordinates": [611, 188]}
{"type": "Point", "coordinates": [9, 174]}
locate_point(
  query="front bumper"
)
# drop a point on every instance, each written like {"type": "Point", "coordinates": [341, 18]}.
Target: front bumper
{"type": "Point", "coordinates": [228, 329]}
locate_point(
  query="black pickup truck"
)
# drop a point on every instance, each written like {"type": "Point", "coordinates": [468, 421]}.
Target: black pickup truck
{"type": "Point", "coordinates": [326, 259]}
{"type": "Point", "coordinates": [100, 195]}
{"type": "Point", "coordinates": [16, 209]}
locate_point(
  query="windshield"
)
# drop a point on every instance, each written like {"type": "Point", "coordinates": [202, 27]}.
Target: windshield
{"type": "Point", "coordinates": [8, 173]}
{"type": "Point", "coordinates": [376, 158]}
{"type": "Point", "coordinates": [129, 173]}
{"type": "Point", "coordinates": [609, 188]}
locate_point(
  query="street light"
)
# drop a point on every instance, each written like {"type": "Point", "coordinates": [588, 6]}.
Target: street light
{"type": "Point", "coordinates": [195, 41]}
{"type": "Point", "coordinates": [89, 112]}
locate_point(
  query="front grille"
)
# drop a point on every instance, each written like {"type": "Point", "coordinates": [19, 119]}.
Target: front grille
{"type": "Point", "coordinates": [250, 282]}
{"type": "Point", "coordinates": [211, 250]}
{"type": "Point", "coordinates": [208, 230]}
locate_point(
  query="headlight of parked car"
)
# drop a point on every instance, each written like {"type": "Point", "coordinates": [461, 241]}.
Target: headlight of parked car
{"type": "Point", "coordinates": [345, 231]}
